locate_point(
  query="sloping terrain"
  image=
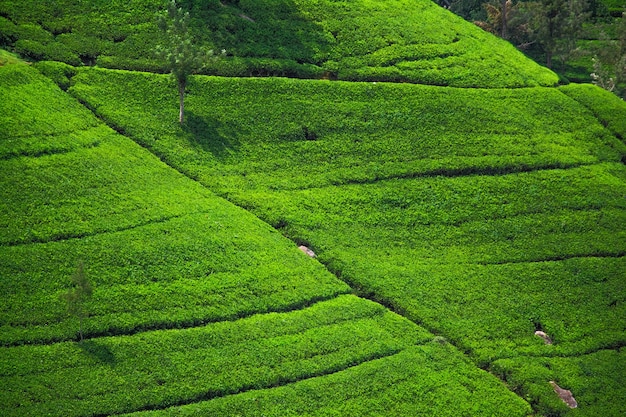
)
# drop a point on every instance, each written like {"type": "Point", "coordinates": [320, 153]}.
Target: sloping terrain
{"type": "Point", "coordinates": [197, 303]}
{"type": "Point", "coordinates": [462, 234]}
{"type": "Point", "coordinates": [375, 40]}
{"type": "Point", "coordinates": [483, 228]}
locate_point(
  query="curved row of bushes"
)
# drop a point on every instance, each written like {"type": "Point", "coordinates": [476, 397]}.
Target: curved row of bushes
{"type": "Point", "coordinates": [357, 41]}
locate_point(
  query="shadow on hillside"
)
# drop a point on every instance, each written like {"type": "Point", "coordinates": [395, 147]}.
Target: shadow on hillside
{"type": "Point", "coordinates": [278, 30]}
{"type": "Point", "coordinates": [205, 133]}
{"type": "Point", "coordinates": [98, 351]}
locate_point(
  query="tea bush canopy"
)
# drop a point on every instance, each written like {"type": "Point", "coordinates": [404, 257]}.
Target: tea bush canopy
{"type": "Point", "coordinates": [195, 301]}
{"type": "Point", "coordinates": [484, 228]}
{"type": "Point", "coordinates": [466, 214]}
{"type": "Point", "coordinates": [374, 40]}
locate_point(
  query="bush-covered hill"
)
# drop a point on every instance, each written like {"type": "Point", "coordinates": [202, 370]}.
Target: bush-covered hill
{"type": "Point", "coordinates": [450, 223]}
{"type": "Point", "coordinates": [196, 302]}
{"type": "Point", "coordinates": [485, 215]}
{"type": "Point", "coordinates": [375, 40]}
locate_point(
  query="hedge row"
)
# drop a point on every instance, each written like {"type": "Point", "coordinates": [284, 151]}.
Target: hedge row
{"type": "Point", "coordinates": [160, 250]}
{"type": "Point", "coordinates": [27, 111]}
{"type": "Point", "coordinates": [113, 186]}
{"type": "Point", "coordinates": [246, 134]}
{"type": "Point", "coordinates": [453, 201]}
{"type": "Point", "coordinates": [424, 380]}
{"type": "Point", "coordinates": [608, 108]}
{"type": "Point", "coordinates": [158, 369]}
{"type": "Point", "coordinates": [349, 40]}
{"type": "Point", "coordinates": [50, 144]}
{"type": "Point", "coordinates": [596, 382]}
{"type": "Point", "coordinates": [209, 267]}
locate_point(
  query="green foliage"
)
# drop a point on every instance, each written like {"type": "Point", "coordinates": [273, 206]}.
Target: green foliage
{"type": "Point", "coordinates": [610, 110]}
{"type": "Point", "coordinates": [160, 369]}
{"type": "Point", "coordinates": [181, 54]}
{"type": "Point", "coordinates": [241, 130]}
{"type": "Point", "coordinates": [162, 250]}
{"type": "Point", "coordinates": [8, 58]}
{"type": "Point", "coordinates": [386, 386]}
{"type": "Point", "coordinates": [367, 40]}
{"type": "Point", "coordinates": [485, 215]}
{"type": "Point", "coordinates": [595, 381]}
{"type": "Point", "coordinates": [58, 72]}
{"type": "Point", "coordinates": [616, 7]}
{"type": "Point", "coordinates": [23, 114]}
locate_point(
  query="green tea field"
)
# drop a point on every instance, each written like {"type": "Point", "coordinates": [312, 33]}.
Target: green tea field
{"type": "Point", "coordinates": [468, 223]}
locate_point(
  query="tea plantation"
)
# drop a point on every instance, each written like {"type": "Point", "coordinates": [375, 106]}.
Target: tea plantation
{"type": "Point", "coordinates": [483, 228]}
{"type": "Point", "coordinates": [450, 224]}
{"type": "Point", "coordinates": [392, 40]}
{"type": "Point", "coordinates": [196, 301]}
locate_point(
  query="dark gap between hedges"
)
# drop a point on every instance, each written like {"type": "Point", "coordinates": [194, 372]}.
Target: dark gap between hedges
{"type": "Point", "coordinates": [453, 173]}
{"type": "Point", "coordinates": [559, 258]}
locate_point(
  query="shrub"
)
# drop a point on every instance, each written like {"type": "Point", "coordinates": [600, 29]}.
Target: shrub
{"type": "Point", "coordinates": [58, 72]}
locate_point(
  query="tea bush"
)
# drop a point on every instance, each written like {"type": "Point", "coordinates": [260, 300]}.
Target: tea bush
{"type": "Point", "coordinates": [594, 379]}
{"type": "Point", "coordinates": [157, 369]}
{"type": "Point", "coordinates": [363, 40]}
{"type": "Point", "coordinates": [164, 252]}
{"type": "Point", "coordinates": [420, 380]}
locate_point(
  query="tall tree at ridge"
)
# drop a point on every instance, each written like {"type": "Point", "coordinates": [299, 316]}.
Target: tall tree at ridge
{"type": "Point", "coordinates": [182, 55]}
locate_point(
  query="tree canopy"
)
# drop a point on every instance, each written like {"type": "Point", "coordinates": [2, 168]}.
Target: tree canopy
{"type": "Point", "coordinates": [183, 56]}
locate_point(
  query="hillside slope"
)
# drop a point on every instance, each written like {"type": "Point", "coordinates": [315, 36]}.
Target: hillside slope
{"type": "Point", "coordinates": [375, 40]}
{"type": "Point", "coordinates": [196, 302]}
{"type": "Point", "coordinates": [484, 215]}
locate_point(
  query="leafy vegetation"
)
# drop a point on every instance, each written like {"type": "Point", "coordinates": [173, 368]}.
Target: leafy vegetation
{"type": "Point", "coordinates": [78, 295]}
{"type": "Point", "coordinates": [246, 134]}
{"type": "Point", "coordinates": [484, 228]}
{"type": "Point", "coordinates": [371, 40]}
{"type": "Point", "coordinates": [584, 41]}
{"type": "Point", "coordinates": [128, 217]}
{"type": "Point", "coordinates": [490, 218]}
{"type": "Point", "coordinates": [400, 385]}
{"type": "Point", "coordinates": [194, 300]}
{"type": "Point", "coordinates": [155, 370]}
{"type": "Point", "coordinates": [595, 378]}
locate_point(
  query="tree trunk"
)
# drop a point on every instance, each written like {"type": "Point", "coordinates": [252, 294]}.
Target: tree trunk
{"type": "Point", "coordinates": [504, 17]}
{"type": "Point", "coordinates": [549, 59]}
{"type": "Point", "coordinates": [181, 95]}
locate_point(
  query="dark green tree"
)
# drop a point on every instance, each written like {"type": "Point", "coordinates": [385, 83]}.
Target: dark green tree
{"type": "Point", "coordinates": [556, 26]}
{"type": "Point", "coordinates": [182, 55]}
{"type": "Point", "coordinates": [76, 296]}
{"type": "Point", "coordinates": [609, 64]}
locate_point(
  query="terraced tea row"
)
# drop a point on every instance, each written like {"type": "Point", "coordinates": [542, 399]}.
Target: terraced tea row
{"type": "Point", "coordinates": [160, 249]}
{"type": "Point", "coordinates": [482, 254]}
{"type": "Point", "coordinates": [155, 370]}
{"type": "Point", "coordinates": [181, 272]}
{"type": "Point", "coordinates": [312, 134]}
{"type": "Point", "coordinates": [373, 40]}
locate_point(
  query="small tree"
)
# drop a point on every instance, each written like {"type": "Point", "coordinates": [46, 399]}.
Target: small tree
{"type": "Point", "coordinates": [182, 55]}
{"type": "Point", "coordinates": [76, 296]}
